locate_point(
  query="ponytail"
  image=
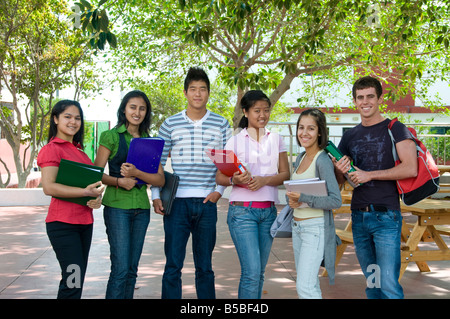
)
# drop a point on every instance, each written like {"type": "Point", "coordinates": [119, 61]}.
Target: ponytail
{"type": "Point", "coordinates": [243, 123]}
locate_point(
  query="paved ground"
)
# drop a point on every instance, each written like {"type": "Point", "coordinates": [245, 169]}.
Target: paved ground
{"type": "Point", "coordinates": [29, 269]}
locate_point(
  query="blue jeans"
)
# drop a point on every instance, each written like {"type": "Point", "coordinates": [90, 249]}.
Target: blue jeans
{"type": "Point", "coordinates": [250, 231]}
{"type": "Point", "coordinates": [308, 238]}
{"type": "Point", "coordinates": [376, 237]}
{"type": "Point", "coordinates": [189, 215]}
{"type": "Point", "coordinates": [126, 230]}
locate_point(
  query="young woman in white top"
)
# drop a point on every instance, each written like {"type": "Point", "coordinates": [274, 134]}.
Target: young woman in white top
{"type": "Point", "coordinates": [252, 200]}
{"type": "Point", "coordinates": [313, 234]}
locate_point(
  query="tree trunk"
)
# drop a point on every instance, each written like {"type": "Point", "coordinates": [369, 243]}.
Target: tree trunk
{"type": "Point", "coordinates": [237, 109]}
{"type": "Point", "coordinates": [8, 176]}
{"type": "Point", "coordinates": [282, 88]}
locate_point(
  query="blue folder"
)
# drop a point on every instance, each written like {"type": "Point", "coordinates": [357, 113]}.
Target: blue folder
{"type": "Point", "coordinates": [145, 153]}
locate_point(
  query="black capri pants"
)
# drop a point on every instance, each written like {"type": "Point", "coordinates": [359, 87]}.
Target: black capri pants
{"type": "Point", "coordinates": [71, 243]}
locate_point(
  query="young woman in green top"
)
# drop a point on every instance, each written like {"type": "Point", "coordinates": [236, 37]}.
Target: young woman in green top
{"type": "Point", "coordinates": [126, 204]}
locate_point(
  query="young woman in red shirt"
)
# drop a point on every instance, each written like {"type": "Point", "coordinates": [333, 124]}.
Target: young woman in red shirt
{"type": "Point", "coordinates": [69, 225]}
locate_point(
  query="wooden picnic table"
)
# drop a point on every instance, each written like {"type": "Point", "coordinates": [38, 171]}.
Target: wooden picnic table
{"type": "Point", "coordinates": [432, 216]}
{"type": "Point", "coordinates": [443, 169]}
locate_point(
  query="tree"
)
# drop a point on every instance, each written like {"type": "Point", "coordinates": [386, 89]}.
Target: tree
{"type": "Point", "coordinates": [38, 50]}
{"type": "Point", "coordinates": [265, 45]}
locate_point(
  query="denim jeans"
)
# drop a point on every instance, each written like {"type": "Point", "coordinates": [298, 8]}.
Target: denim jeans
{"type": "Point", "coordinates": [189, 215]}
{"type": "Point", "coordinates": [126, 230]}
{"type": "Point", "coordinates": [376, 237]}
{"type": "Point", "coordinates": [308, 238]}
{"type": "Point", "coordinates": [71, 243]}
{"type": "Point", "coordinates": [250, 231]}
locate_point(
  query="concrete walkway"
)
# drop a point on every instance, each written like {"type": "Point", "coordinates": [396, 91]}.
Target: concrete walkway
{"type": "Point", "coordinates": [29, 269]}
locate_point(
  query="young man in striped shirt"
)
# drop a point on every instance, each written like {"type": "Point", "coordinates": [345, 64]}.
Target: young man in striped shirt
{"type": "Point", "coordinates": [187, 135]}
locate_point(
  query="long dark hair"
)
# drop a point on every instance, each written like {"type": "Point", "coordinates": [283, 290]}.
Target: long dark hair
{"type": "Point", "coordinates": [321, 122]}
{"type": "Point", "coordinates": [59, 108]}
{"type": "Point", "coordinates": [144, 127]}
{"type": "Point", "coordinates": [248, 100]}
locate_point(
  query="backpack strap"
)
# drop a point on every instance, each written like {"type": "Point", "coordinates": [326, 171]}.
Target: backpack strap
{"type": "Point", "coordinates": [394, 150]}
{"type": "Point", "coordinates": [392, 122]}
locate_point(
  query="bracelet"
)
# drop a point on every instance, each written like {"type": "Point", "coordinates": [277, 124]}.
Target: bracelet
{"type": "Point", "coordinates": [117, 182]}
{"type": "Point", "coordinates": [231, 181]}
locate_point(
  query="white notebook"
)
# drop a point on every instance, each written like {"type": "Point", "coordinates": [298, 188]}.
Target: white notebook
{"type": "Point", "coordinates": [310, 186]}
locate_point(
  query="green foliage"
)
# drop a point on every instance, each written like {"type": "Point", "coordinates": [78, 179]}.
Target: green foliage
{"type": "Point", "coordinates": [94, 23]}
{"type": "Point", "coordinates": [166, 97]}
{"type": "Point", "coordinates": [38, 51]}
{"type": "Point", "coordinates": [266, 44]}
{"type": "Point", "coordinates": [439, 146]}
{"type": "Point", "coordinates": [432, 136]}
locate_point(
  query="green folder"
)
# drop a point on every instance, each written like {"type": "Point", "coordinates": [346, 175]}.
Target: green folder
{"type": "Point", "coordinates": [78, 175]}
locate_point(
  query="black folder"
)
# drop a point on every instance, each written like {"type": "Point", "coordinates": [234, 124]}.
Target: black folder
{"type": "Point", "coordinates": [77, 174]}
{"type": "Point", "coordinates": [169, 191]}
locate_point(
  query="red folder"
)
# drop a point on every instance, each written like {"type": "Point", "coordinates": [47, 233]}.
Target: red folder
{"type": "Point", "coordinates": [226, 161]}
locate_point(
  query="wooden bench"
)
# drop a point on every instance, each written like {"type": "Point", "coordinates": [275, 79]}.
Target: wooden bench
{"type": "Point", "coordinates": [441, 229]}
{"type": "Point", "coordinates": [409, 232]}
{"type": "Point", "coordinates": [346, 236]}
{"type": "Point", "coordinates": [444, 188]}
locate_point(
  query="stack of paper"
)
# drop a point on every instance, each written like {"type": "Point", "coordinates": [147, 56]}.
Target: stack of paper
{"type": "Point", "coordinates": [309, 186]}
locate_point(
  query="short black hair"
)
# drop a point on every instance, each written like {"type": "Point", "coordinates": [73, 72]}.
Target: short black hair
{"type": "Point", "coordinates": [196, 74]}
{"type": "Point", "coordinates": [367, 82]}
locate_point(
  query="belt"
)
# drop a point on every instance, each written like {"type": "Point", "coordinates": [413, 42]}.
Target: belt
{"type": "Point", "coordinates": [373, 208]}
{"type": "Point", "coordinates": [266, 204]}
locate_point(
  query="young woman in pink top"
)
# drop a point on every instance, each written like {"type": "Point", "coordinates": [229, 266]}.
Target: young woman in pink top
{"type": "Point", "coordinates": [254, 194]}
{"type": "Point", "coordinates": [69, 225]}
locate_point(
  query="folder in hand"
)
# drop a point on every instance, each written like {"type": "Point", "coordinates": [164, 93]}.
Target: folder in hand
{"type": "Point", "coordinates": [227, 162]}
{"type": "Point", "coordinates": [145, 153]}
{"type": "Point", "coordinates": [333, 151]}
{"type": "Point", "coordinates": [77, 174]}
{"type": "Point", "coordinates": [169, 191]}
{"type": "Point", "coordinates": [310, 186]}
